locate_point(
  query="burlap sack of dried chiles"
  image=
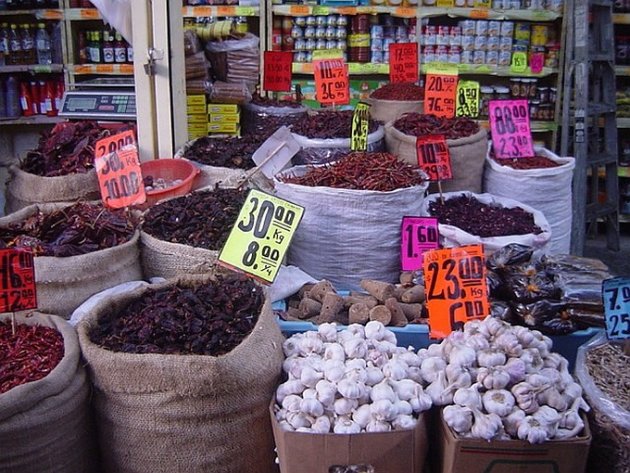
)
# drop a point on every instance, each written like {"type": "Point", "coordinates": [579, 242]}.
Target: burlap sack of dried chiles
{"type": "Point", "coordinates": [64, 282]}
{"type": "Point", "coordinates": [46, 425]}
{"type": "Point", "coordinates": [165, 413]}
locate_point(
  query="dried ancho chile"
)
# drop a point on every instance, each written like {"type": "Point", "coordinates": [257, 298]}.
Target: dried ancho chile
{"type": "Point", "coordinates": [399, 91]}
{"type": "Point", "coordinates": [201, 219]}
{"type": "Point", "coordinates": [363, 171]}
{"type": "Point", "coordinates": [328, 124]}
{"type": "Point", "coordinates": [67, 149]}
{"type": "Point", "coordinates": [210, 319]}
{"type": "Point", "coordinates": [233, 152]}
{"type": "Point", "coordinates": [75, 230]}
{"type": "Point", "coordinates": [482, 219]}
{"type": "Point", "coordinates": [29, 355]}
{"type": "Point", "coordinates": [418, 124]}
{"type": "Point", "coordinates": [269, 102]}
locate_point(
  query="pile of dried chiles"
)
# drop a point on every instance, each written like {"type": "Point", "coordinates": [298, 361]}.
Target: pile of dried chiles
{"type": "Point", "coordinates": [232, 152]}
{"type": "Point", "coordinates": [418, 124]}
{"type": "Point", "coordinates": [399, 91]}
{"type": "Point", "coordinates": [362, 171]}
{"type": "Point", "coordinates": [209, 319]}
{"type": "Point", "coordinates": [67, 149]}
{"type": "Point", "coordinates": [328, 124]}
{"type": "Point", "coordinates": [75, 230]}
{"type": "Point", "coordinates": [484, 220]}
{"type": "Point", "coordinates": [530, 162]}
{"type": "Point", "coordinates": [269, 102]}
{"type": "Point", "coordinates": [28, 355]}
{"type": "Point", "coordinates": [201, 219]}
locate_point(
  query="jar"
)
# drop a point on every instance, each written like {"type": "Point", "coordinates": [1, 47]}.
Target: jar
{"type": "Point", "coordinates": [487, 94]}
{"type": "Point", "coordinates": [501, 92]}
{"type": "Point", "coordinates": [543, 95]}
{"type": "Point", "coordinates": [539, 35]}
{"type": "Point", "coordinates": [515, 87]}
{"type": "Point", "coordinates": [532, 88]}
{"type": "Point", "coordinates": [534, 106]}
{"type": "Point", "coordinates": [553, 94]}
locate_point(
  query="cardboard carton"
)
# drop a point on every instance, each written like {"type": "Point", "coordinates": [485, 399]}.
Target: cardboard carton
{"type": "Point", "coordinates": [196, 99]}
{"type": "Point", "coordinates": [459, 454]}
{"type": "Point", "coordinates": [401, 451]}
{"type": "Point", "coordinates": [222, 108]}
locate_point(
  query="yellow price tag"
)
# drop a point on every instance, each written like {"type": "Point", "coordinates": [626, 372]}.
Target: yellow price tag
{"type": "Point", "coordinates": [223, 10]}
{"type": "Point", "coordinates": [482, 4]}
{"type": "Point", "coordinates": [261, 235]}
{"type": "Point", "coordinates": [246, 11]}
{"type": "Point", "coordinates": [467, 99]}
{"type": "Point", "coordinates": [327, 54]}
{"type": "Point", "coordinates": [360, 127]}
{"type": "Point", "coordinates": [104, 68]}
{"type": "Point", "coordinates": [519, 62]}
{"type": "Point", "coordinates": [445, 3]}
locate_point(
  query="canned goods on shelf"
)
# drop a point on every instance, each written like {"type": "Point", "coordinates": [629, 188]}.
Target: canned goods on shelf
{"type": "Point", "coordinates": [300, 44]}
{"type": "Point", "coordinates": [311, 44]}
{"type": "Point", "coordinates": [441, 54]}
{"type": "Point", "coordinates": [507, 28]}
{"type": "Point", "coordinates": [377, 44]}
{"type": "Point", "coordinates": [455, 39]}
{"type": "Point", "coordinates": [320, 44]}
{"type": "Point", "coordinates": [428, 54]}
{"type": "Point", "coordinates": [376, 32]}
{"type": "Point", "coordinates": [311, 21]}
{"type": "Point", "coordinates": [494, 28]}
{"type": "Point", "coordinates": [492, 58]}
{"type": "Point", "coordinates": [505, 58]}
{"type": "Point", "coordinates": [501, 92]}
{"type": "Point", "coordinates": [309, 32]}
{"type": "Point", "coordinates": [299, 56]}
{"type": "Point", "coordinates": [520, 46]}
{"type": "Point", "coordinates": [300, 20]}
{"type": "Point", "coordinates": [331, 44]}
{"type": "Point", "coordinates": [340, 32]}
{"type": "Point", "coordinates": [331, 32]}
{"type": "Point", "coordinates": [342, 20]}
{"type": "Point", "coordinates": [377, 57]}
{"type": "Point", "coordinates": [331, 20]}
{"type": "Point", "coordinates": [481, 43]}
{"type": "Point", "coordinates": [320, 20]}
{"type": "Point", "coordinates": [320, 32]}
{"type": "Point", "coordinates": [297, 32]}
{"type": "Point", "coordinates": [534, 105]}
{"type": "Point", "coordinates": [479, 57]}
{"type": "Point", "coordinates": [468, 43]}
{"type": "Point", "coordinates": [505, 44]}
{"type": "Point", "coordinates": [515, 87]}
{"type": "Point", "coordinates": [342, 44]}
{"type": "Point", "coordinates": [497, 4]}
{"type": "Point", "coordinates": [309, 56]}
{"type": "Point", "coordinates": [481, 27]}
{"type": "Point", "coordinates": [492, 43]}
{"type": "Point", "coordinates": [543, 94]}
{"type": "Point", "coordinates": [522, 31]}
{"type": "Point", "coordinates": [467, 57]}
{"type": "Point", "coordinates": [454, 55]}
{"type": "Point", "coordinates": [467, 27]}
{"type": "Point", "coordinates": [539, 35]}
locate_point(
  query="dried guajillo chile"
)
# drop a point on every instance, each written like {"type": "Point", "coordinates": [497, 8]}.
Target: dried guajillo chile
{"type": "Point", "coordinates": [201, 219]}
{"type": "Point", "coordinates": [532, 162]}
{"type": "Point", "coordinates": [269, 102]}
{"type": "Point", "coordinates": [328, 124]}
{"type": "Point", "coordinates": [28, 355]}
{"type": "Point", "coordinates": [74, 230]}
{"type": "Point", "coordinates": [67, 149]}
{"type": "Point", "coordinates": [399, 91]}
{"type": "Point", "coordinates": [362, 171]}
{"type": "Point", "coordinates": [417, 124]}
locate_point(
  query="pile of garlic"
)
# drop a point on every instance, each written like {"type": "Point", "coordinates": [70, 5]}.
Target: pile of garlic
{"type": "Point", "coordinates": [500, 381]}
{"type": "Point", "coordinates": [350, 381]}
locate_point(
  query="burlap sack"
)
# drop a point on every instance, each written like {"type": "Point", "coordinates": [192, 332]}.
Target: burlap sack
{"type": "Point", "coordinates": [169, 260]}
{"type": "Point", "coordinates": [389, 110]}
{"type": "Point", "coordinates": [24, 189]}
{"type": "Point", "coordinates": [185, 413]}
{"type": "Point", "coordinates": [467, 157]}
{"type": "Point", "coordinates": [46, 425]}
{"type": "Point", "coordinates": [64, 283]}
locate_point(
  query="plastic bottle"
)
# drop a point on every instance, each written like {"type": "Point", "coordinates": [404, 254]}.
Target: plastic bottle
{"type": "Point", "coordinates": [4, 45]}
{"type": "Point", "coordinates": [55, 42]}
{"type": "Point", "coordinates": [108, 47]}
{"type": "Point", "coordinates": [3, 108]}
{"type": "Point", "coordinates": [84, 55]}
{"type": "Point", "coordinates": [26, 101]}
{"type": "Point", "coordinates": [44, 49]}
{"type": "Point", "coordinates": [120, 49]}
{"type": "Point", "coordinates": [13, 98]}
{"type": "Point", "coordinates": [28, 45]}
{"type": "Point", "coordinates": [35, 102]}
{"type": "Point", "coordinates": [15, 46]}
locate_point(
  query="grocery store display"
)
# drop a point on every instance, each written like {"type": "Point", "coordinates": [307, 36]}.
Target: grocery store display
{"type": "Point", "coordinates": [183, 235]}
{"type": "Point", "coordinates": [44, 397]}
{"type": "Point", "coordinates": [213, 409]}
{"type": "Point", "coordinates": [390, 101]}
{"type": "Point", "coordinates": [80, 250]}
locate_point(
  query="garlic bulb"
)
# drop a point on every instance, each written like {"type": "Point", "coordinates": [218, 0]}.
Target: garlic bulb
{"type": "Point", "coordinates": [405, 389]}
{"type": "Point", "coordinates": [493, 378]}
{"type": "Point", "coordinates": [403, 408]}
{"type": "Point", "coordinates": [383, 410]}
{"type": "Point", "coordinates": [532, 359]}
{"type": "Point", "coordinates": [355, 348]}
{"type": "Point", "coordinates": [395, 369]}
{"type": "Point", "coordinates": [290, 347]}
{"type": "Point", "coordinates": [513, 420]}
{"type": "Point", "coordinates": [357, 330]}
{"type": "Point", "coordinates": [334, 351]}
{"type": "Point", "coordinates": [478, 342]}
{"type": "Point", "coordinates": [351, 389]}
{"type": "Point", "coordinates": [404, 422]}
{"type": "Point", "coordinates": [421, 402]}
{"type": "Point", "coordinates": [374, 330]}
{"type": "Point", "coordinates": [508, 343]}
{"type": "Point", "coordinates": [326, 392]}
{"type": "Point", "coordinates": [548, 417]}
{"type": "Point", "coordinates": [498, 401]}
{"type": "Point", "coordinates": [486, 426]}
{"type": "Point", "coordinates": [525, 396]}
{"type": "Point", "coordinates": [468, 397]}
{"type": "Point", "coordinates": [344, 407]}
{"type": "Point", "coordinates": [490, 358]}
{"type": "Point", "coordinates": [409, 358]}
{"type": "Point", "coordinates": [552, 398]}
{"type": "Point", "coordinates": [345, 425]}
{"type": "Point", "coordinates": [363, 415]}
{"type": "Point", "coordinates": [515, 367]}
{"type": "Point", "coordinates": [378, 426]}
{"type": "Point", "coordinates": [458, 418]}
{"type": "Point", "coordinates": [309, 377]}
{"type": "Point", "coordinates": [374, 375]}
{"type": "Point", "coordinates": [298, 419]}
{"type": "Point", "coordinates": [289, 387]}
{"type": "Point", "coordinates": [284, 425]}
{"type": "Point", "coordinates": [531, 430]}
{"type": "Point", "coordinates": [309, 393]}
{"type": "Point", "coordinates": [382, 391]}
{"type": "Point", "coordinates": [321, 425]}
{"type": "Point", "coordinates": [334, 370]}
{"type": "Point", "coordinates": [312, 407]}
{"type": "Point", "coordinates": [462, 355]}
{"type": "Point", "coordinates": [291, 403]}
{"type": "Point", "coordinates": [435, 350]}
{"type": "Point", "coordinates": [431, 367]}
{"type": "Point", "coordinates": [310, 344]}
{"type": "Point", "coordinates": [327, 332]}
{"type": "Point", "coordinates": [439, 392]}
{"type": "Point", "coordinates": [415, 374]}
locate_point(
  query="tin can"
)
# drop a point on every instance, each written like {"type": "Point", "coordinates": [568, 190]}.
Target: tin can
{"type": "Point", "coordinates": [308, 56]}
{"type": "Point", "coordinates": [466, 57]}
{"type": "Point", "coordinates": [505, 43]}
{"type": "Point", "coordinates": [455, 38]}
{"type": "Point", "coordinates": [487, 94]}
{"type": "Point", "coordinates": [321, 20]}
{"type": "Point", "coordinates": [507, 28]}
{"type": "Point", "coordinates": [537, 5]}
{"type": "Point", "coordinates": [300, 44]}
{"type": "Point", "coordinates": [441, 54]}
{"type": "Point", "coordinates": [299, 56]}
{"type": "Point", "coordinates": [505, 58]}
{"type": "Point", "coordinates": [377, 44]}
{"type": "Point", "coordinates": [297, 32]}
{"type": "Point", "coordinates": [340, 32]}
{"type": "Point", "coordinates": [320, 32]}
{"type": "Point", "coordinates": [539, 35]}
{"type": "Point", "coordinates": [467, 27]}
{"type": "Point", "coordinates": [342, 44]}
{"type": "Point", "coordinates": [479, 57]}
{"type": "Point", "coordinates": [342, 20]}
{"type": "Point", "coordinates": [320, 44]}
{"type": "Point", "coordinates": [454, 54]}
{"type": "Point", "coordinates": [376, 32]}
{"type": "Point", "coordinates": [430, 35]}
{"type": "Point", "coordinates": [311, 21]}
{"type": "Point", "coordinates": [492, 58]}
{"type": "Point", "coordinates": [331, 44]}
{"type": "Point", "coordinates": [401, 34]}
{"type": "Point", "coordinates": [309, 32]}
{"type": "Point", "coordinates": [377, 57]}
{"type": "Point", "coordinates": [386, 43]}
{"type": "Point", "coordinates": [494, 28]}
{"type": "Point", "coordinates": [331, 32]}
{"type": "Point", "coordinates": [481, 43]}
{"type": "Point", "coordinates": [521, 31]}
{"type": "Point", "coordinates": [492, 43]}
{"type": "Point", "coordinates": [428, 54]}
{"type": "Point", "coordinates": [481, 27]}
{"type": "Point", "coordinates": [443, 35]}
{"type": "Point", "coordinates": [331, 20]}
{"type": "Point", "coordinates": [386, 57]}
{"type": "Point", "coordinates": [311, 44]}
{"type": "Point", "coordinates": [468, 43]}
{"type": "Point", "coordinates": [300, 20]}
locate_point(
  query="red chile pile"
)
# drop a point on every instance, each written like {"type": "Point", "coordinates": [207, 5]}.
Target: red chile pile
{"type": "Point", "coordinates": [210, 319]}
{"type": "Point", "coordinates": [201, 219]}
{"type": "Point", "coordinates": [417, 124]}
{"type": "Point", "coordinates": [399, 91]}
{"type": "Point", "coordinates": [328, 124]}
{"type": "Point", "coordinates": [362, 171]}
{"type": "Point", "coordinates": [481, 219]}
{"type": "Point", "coordinates": [533, 162]}
{"type": "Point", "coordinates": [268, 102]}
{"type": "Point", "coordinates": [75, 230]}
{"type": "Point", "coordinates": [67, 149]}
{"type": "Point", "coordinates": [29, 355]}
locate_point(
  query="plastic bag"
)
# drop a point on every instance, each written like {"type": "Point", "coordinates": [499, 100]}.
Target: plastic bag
{"type": "Point", "coordinates": [192, 45]}
{"type": "Point", "coordinates": [555, 264]}
{"type": "Point", "coordinates": [513, 253]}
{"type": "Point", "coordinates": [502, 310]}
{"type": "Point", "coordinates": [260, 119]}
{"type": "Point", "coordinates": [545, 315]}
{"type": "Point", "coordinates": [223, 92]}
{"type": "Point", "coordinates": [236, 60]}
{"type": "Point", "coordinates": [582, 288]}
{"type": "Point", "coordinates": [525, 284]}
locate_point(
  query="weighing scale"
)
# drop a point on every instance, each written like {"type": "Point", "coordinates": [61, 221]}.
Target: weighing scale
{"type": "Point", "coordinates": [112, 99]}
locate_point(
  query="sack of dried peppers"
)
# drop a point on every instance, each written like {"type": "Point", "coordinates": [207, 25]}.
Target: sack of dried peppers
{"type": "Point", "coordinates": [393, 100]}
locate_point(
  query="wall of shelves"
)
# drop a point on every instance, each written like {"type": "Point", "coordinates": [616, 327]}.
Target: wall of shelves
{"type": "Point", "coordinates": [622, 71]}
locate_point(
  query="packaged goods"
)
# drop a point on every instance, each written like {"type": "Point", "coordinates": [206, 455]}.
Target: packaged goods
{"type": "Point", "coordinates": [236, 60]}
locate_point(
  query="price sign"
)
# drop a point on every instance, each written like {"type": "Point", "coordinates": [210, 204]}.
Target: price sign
{"type": "Point", "coordinates": [510, 127]}
{"type": "Point", "coordinates": [331, 82]}
{"type": "Point", "coordinates": [484, 4]}
{"type": "Point", "coordinates": [445, 3]}
{"type": "Point", "coordinates": [616, 296]}
{"type": "Point", "coordinates": [467, 99]}
{"type": "Point", "coordinates": [360, 127]}
{"type": "Point", "coordinates": [439, 94]}
{"type": "Point", "coordinates": [17, 281]}
{"type": "Point", "coordinates": [434, 157]}
{"type": "Point", "coordinates": [327, 54]}
{"type": "Point", "coordinates": [278, 71]}
{"type": "Point", "coordinates": [536, 62]}
{"type": "Point", "coordinates": [114, 143]}
{"type": "Point", "coordinates": [455, 288]}
{"type": "Point", "coordinates": [403, 62]}
{"type": "Point", "coordinates": [261, 236]}
{"type": "Point", "coordinates": [519, 62]}
{"type": "Point", "coordinates": [418, 235]}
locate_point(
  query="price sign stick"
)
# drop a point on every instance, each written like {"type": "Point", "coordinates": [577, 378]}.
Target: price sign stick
{"type": "Point", "coordinates": [626, 347]}
{"type": "Point", "coordinates": [13, 322]}
{"type": "Point", "coordinates": [249, 174]}
{"type": "Point", "coordinates": [439, 182]}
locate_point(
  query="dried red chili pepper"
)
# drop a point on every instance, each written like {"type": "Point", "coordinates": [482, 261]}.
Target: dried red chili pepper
{"type": "Point", "coordinates": [533, 162]}
{"type": "Point", "coordinates": [418, 124]}
{"type": "Point", "coordinates": [29, 355]}
{"type": "Point", "coordinates": [399, 91]}
{"type": "Point", "coordinates": [327, 124]}
{"type": "Point", "coordinates": [269, 102]}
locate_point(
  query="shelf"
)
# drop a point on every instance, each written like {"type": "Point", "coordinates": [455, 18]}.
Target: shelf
{"type": "Point", "coordinates": [623, 122]}
{"type": "Point", "coordinates": [411, 12]}
{"type": "Point", "coordinates": [220, 10]}
{"type": "Point", "coordinates": [536, 126]}
{"type": "Point", "coordinates": [622, 70]}
{"type": "Point", "coordinates": [34, 120]}
{"type": "Point", "coordinates": [354, 68]}
{"type": "Point", "coordinates": [43, 14]}
{"type": "Point", "coordinates": [621, 18]}
{"type": "Point", "coordinates": [83, 14]}
{"type": "Point", "coordinates": [105, 69]}
{"type": "Point", "coordinates": [35, 68]}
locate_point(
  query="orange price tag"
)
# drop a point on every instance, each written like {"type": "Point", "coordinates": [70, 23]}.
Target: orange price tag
{"type": "Point", "coordinates": [299, 10]}
{"type": "Point", "coordinates": [223, 10]}
{"type": "Point", "coordinates": [278, 71]}
{"type": "Point", "coordinates": [17, 280]}
{"type": "Point", "coordinates": [104, 68]}
{"type": "Point", "coordinates": [202, 11]}
{"type": "Point", "coordinates": [455, 288]}
{"type": "Point", "coordinates": [439, 95]}
{"type": "Point", "coordinates": [434, 157]}
{"type": "Point", "coordinates": [331, 82]}
{"type": "Point", "coordinates": [82, 69]}
{"type": "Point", "coordinates": [479, 13]}
{"type": "Point", "coordinates": [90, 14]}
{"type": "Point", "coordinates": [403, 62]}
{"type": "Point", "coordinates": [405, 12]}
{"type": "Point", "coordinates": [52, 15]}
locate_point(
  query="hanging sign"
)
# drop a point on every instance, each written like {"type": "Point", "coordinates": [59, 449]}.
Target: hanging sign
{"type": "Point", "coordinates": [439, 91]}
{"type": "Point", "coordinates": [403, 62]}
{"type": "Point", "coordinates": [418, 234]}
{"type": "Point", "coordinates": [17, 281]}
{"type": "Point", "coordinates": [434, 157]}
{"type": "Point", "coordinates": [360, 127]}
{"type": "Point", "coordinates": [536, 62]}
{"type": "Point", "coordinates": [277, 76]}
{"type": "Point", "coordinates": [616, 297]}
{"type": "Point", "coordinates": [519, 62]}
{"type": "Point", "coordinates": [261, 236]}
{"type": "Point", "coordinates": [467, 99]}
{"type": "Point", "coordinates": [510, 127]}
{"type": "Point", "coordinates": [331, 82]}
{"type": "Point", "coordinates": [455, 288]}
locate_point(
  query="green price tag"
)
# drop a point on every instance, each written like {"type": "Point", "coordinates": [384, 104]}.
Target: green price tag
{"type": "Point", "coordinates": [321, 11]}
{"type": "Point", "coordinates": [327, 54]}
{"type": "Point", "coordinates": [360, 127]}
{"type": "Point", "coordinates": [519, 62]}
{"type": "Point", "coordinates": [467, 99]}
{"type": "Point", "coordinates": [261, 236]}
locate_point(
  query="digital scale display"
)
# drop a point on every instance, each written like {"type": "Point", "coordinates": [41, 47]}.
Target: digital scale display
{"type": "Point", "coordinates": [99, 104]}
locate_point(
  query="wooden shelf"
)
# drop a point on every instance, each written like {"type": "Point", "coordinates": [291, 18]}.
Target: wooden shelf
{"type": "Point", "coordinates": [41, 14]}
{"type": "Point", "coordinates": [33, 120]}
{"type": "Point", "coordinates": [35, 68]}
{"type": "Point", "coordinates": [220, 10]}
{"type": "Point", "coordinates": [104, 69]}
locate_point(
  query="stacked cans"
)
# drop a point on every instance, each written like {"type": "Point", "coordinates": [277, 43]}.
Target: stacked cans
{"type": "Point", "coordinates": [382, 35]}
{"type": "Point", "coordinates": [304, 34]}
{"type": "Point", "coordinates": [551, 5]}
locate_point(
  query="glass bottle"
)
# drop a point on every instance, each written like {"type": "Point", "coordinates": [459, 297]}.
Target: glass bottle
{"type": "Point", "coordinates": [12, 102]}
{"type": "Point", "coordinates": [15, 46]}
{"type": "Point", "coordinates": [44, 47]}
{"type": "Point", "coordinates": [4, 45]}
{"type": "Point", "coordinates": [120, 49]}
{"type": "Point", "coordinates": [95, 48]}
{"type": "Point", "coordinates": [108, 47]}
{"type": "Point", "coordinates": [83, 55]}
